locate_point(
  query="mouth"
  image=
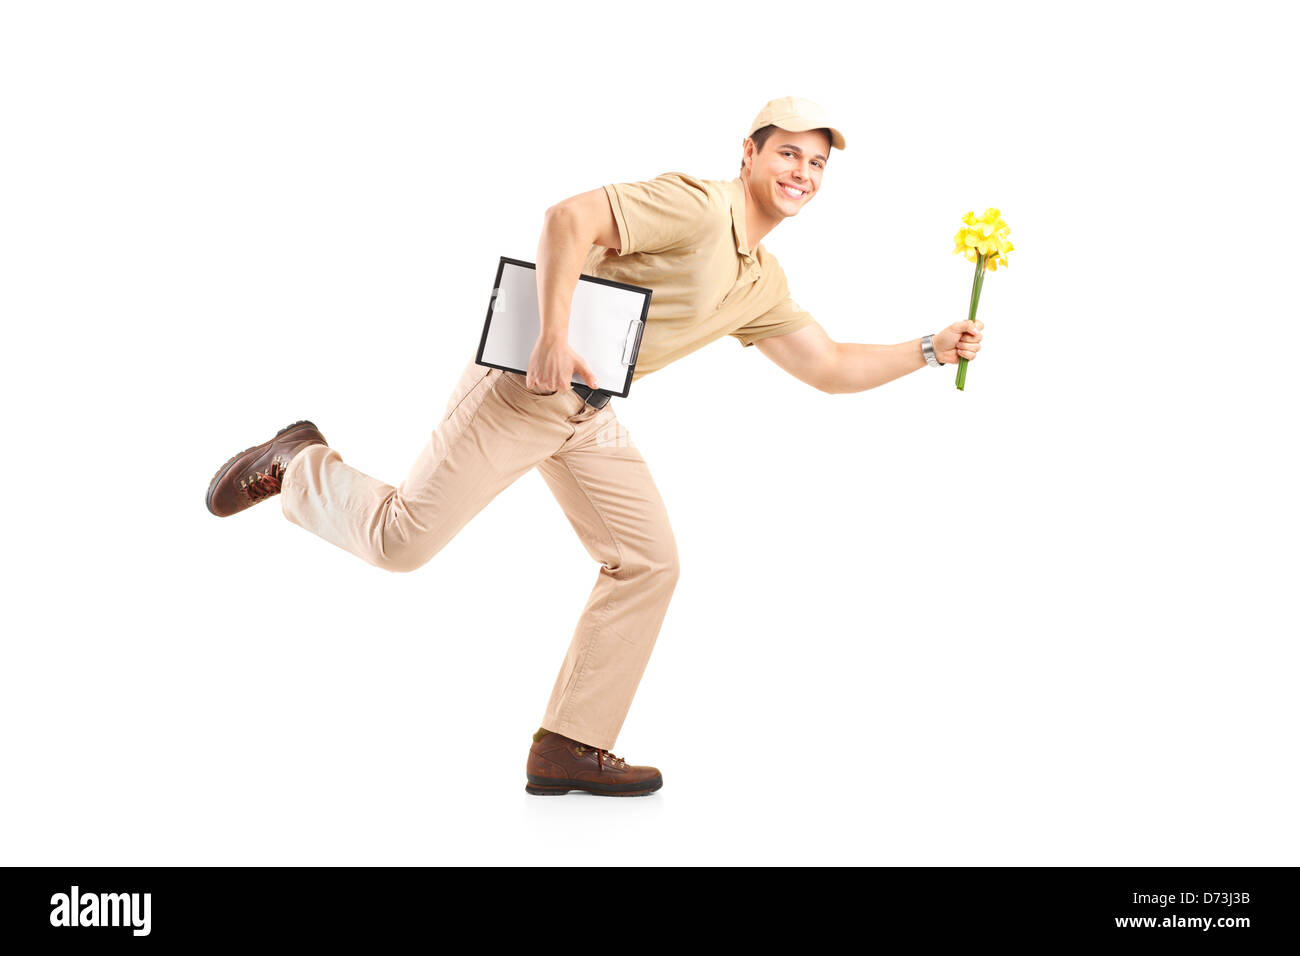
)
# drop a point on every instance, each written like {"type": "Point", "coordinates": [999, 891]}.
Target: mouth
{"type": "Point", "coordinates": [794, 192]}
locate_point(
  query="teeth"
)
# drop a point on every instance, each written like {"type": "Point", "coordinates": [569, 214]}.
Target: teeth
{"type": "Point", "coordinates": [792, 192]}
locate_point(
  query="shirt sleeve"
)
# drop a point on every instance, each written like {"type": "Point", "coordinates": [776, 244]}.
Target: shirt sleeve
{"type": "Point", "coordinates": [664, 213]}
{"type": "Point", "coordinates": [781, 320]}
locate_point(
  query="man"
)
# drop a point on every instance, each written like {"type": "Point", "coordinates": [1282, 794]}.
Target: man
{"type": "Point", "coordinates": [695, 243]}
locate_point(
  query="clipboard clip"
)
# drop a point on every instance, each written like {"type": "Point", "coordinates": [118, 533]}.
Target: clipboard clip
{"type": "Point", "coordinates": [632, 341]}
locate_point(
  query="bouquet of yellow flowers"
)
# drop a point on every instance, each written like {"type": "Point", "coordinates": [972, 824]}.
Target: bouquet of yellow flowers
{"type": "Point", "coordinates": [984, 242]}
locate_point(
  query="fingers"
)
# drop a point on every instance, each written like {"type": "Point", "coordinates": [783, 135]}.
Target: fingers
{"type": "Point", "coordinates": [544, 381]}
{"type": "Point", "coordinates": [537, 385]}
{"type": "Point", "coordinates": [969, 338]}
{"type": "Point", "coordinates": [541, 382]}
{"type": "Point", "coordinates": [587, 376]}
{"type": "Point", "coordinates": [560, 381]}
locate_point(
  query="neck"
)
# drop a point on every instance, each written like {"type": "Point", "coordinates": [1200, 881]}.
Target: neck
{"type": "Point", "coordinates": [757, 223]}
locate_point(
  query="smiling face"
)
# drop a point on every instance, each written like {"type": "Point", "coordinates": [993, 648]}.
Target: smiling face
{"type": "Point", "coordinates": [783, 176]}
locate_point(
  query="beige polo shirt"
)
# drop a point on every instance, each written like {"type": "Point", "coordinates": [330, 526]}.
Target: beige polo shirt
{"type": "Point", "coordinates": [684, 238]}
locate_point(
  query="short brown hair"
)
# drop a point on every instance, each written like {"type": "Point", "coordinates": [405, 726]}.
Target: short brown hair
{"type": "Point", "coordinates": [761, 136]}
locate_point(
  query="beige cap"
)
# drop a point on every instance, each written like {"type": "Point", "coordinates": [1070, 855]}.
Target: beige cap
{"type": "Point", "coordinates": [797, 115]}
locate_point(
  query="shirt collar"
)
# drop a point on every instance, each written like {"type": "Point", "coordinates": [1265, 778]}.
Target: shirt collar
{"type": "Point", "coordinates": [738, 218]}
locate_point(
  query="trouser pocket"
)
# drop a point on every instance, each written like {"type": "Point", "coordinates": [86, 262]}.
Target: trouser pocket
{"type": "Point", "coordinates": [471, 377]}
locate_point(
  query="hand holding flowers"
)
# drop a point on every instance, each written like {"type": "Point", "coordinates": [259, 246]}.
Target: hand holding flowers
{"type": "Point", "coordinates": [984, 242]}
{"type": "Point", "coordinates": [961, 340]}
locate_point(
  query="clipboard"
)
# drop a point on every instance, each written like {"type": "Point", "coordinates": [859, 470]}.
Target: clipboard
{"type": "Point", "coordinates": [606, 322]}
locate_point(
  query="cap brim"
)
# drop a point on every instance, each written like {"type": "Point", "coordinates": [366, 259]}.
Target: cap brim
{"type": "Point", "coordinates": [803, 126]}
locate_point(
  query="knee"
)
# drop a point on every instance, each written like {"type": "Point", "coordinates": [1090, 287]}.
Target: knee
{"type": "Point", "coordinates": [661, 563]}
{"type": "Point", "coordinates": [401, 541]}
{"type": "Point", "coordinates": [400, 561]}
{"type": "Point", "coordinates": [672, 569]}
{"type": "Point", "coordinates": [648, 562]}
{"type": "Point", "coordinates": [399, 554]}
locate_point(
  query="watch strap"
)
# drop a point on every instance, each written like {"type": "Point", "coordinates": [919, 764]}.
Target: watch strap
{"type": "Point", "coordinates": [927, 349]}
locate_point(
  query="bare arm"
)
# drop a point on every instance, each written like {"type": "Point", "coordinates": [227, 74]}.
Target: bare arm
{"type": "Point", "coordinates": [811, 356]}
{"type": "Point", "coordinates": [570, 229]}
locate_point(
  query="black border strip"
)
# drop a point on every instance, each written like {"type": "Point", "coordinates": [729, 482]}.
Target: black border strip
{"type": "Point", "coordinates": [1043, 908]}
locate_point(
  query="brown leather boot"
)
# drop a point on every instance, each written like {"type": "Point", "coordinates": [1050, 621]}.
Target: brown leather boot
{"type": "Point", "coordinates": [557, 764]}
{"type": "Point", "coordinates": [254, 474]}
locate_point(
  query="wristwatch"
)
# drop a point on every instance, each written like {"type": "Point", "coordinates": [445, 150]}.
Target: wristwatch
{"type": "Point", "coordinates": [927, 349]}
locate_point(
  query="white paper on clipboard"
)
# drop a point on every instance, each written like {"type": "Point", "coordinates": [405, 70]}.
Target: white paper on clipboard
{"type": "Point", "coordinates": [606, 322]}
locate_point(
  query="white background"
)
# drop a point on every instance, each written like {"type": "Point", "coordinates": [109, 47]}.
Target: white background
{"type": "Point", "coordinates": [1047, 620]}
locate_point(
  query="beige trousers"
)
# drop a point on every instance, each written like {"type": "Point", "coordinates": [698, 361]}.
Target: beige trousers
{"type": "Point", "coordinates": [494, 430]}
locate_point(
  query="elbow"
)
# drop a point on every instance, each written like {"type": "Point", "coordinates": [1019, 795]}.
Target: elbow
{"type": "Point", "coordinates": [559, 219]}
{"type": "Point", "coordinates": [561, 228]}
{"type": "Point", "coordinates": [833, 380]}
{"type": "Point", "coordinates": [842, 386]}
{"type": "Point", "coordinates": [551, 239]}
{"type": "Point", "coordinates": [576, 222]}
{"type": "Point", "coordinates": [551, 220]}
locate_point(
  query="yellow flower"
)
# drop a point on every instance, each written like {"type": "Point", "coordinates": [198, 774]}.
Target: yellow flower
{"type": "Point", "coordinates": [986, 236]}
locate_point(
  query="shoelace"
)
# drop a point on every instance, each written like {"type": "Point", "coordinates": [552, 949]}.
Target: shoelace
{"type": "Point", "coordinates": [602, 756]}
{"type": "Point", "coordinates": [264, 484]}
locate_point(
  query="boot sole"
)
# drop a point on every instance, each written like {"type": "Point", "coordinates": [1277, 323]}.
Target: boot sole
{"type": "Point", "coordinates": [221, 472]}
{"type": "Point", "coordinates": [558, 788]}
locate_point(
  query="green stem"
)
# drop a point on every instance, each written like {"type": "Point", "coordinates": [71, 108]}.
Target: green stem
{"type": "Point", "coordinates": [974, 304]}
